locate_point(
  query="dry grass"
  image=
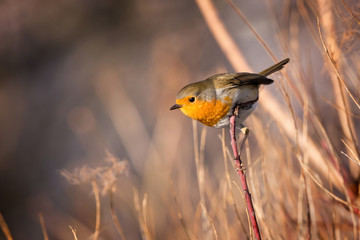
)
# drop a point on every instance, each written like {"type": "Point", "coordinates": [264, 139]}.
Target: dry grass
{"type": "Point", "coordinates": [5, 229]}
{"type": "Point", "coordinates": [301, 158]}
{"type": "Point", "coordinates": [43, 227]}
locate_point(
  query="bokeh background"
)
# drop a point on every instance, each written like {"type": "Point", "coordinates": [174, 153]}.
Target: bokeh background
{"type": "Point", "coordinates": [84, 80]}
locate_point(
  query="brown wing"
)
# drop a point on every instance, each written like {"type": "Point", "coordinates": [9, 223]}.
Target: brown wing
{"type": "Point", "coordinates": [226, 80]}
{"type": "Point", "coordinates": [251, 78]}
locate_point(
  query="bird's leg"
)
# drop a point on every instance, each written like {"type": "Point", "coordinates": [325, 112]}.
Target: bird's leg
{"type": "Point", "coordinates": [245, 131]}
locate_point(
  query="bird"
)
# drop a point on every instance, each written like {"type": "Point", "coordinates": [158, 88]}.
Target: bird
{"type": "Point", "coordinates": [213, 101]}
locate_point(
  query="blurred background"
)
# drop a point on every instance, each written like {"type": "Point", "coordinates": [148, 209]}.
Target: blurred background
{"type": "Point", "coordinates": [82, 82]}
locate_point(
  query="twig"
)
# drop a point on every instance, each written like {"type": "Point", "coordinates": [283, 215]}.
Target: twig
{"type": "Point", "coordinates": [97, 202]}
{"type": "Point", "coordinates": [199, 162]}
{"type": "Point", "coordinates": [189, 235]}
{"type": "Point", "coordinates": [351, 12]}
{"type": "Point", "coordinates": [43, 228]}
{"type": "Point", "coordinates": [252, 29]}
{"type": "Point", "coordinates": [338, 108]}
{"type": "Point", "coordinates": [222, 36]}
{"type": "Point", "coordinates": [5, 228]}
{"type": "Point", "coordinates": [350, 158]}
{"type": "Point", "coordinates": [210, 220]}
{"type": "Point", "coordinates": [300, 217]}
{"type": "Point", "coordinates": [73, 230]}
{"type": "Point", "coordinates": [145, 213]}
{"type": "Point", "coordinates": [145, 232]}
{"type": "Point", "coordinates": [114, 217]}
{"type": "Point", "coordinates": [240, 170]}
{"type": "Point", "coordinates": [333, 64]}
{"type": "Point", "coordinates": [346, 123]}
{"type": "Point", "coordinates": [247, 212]}
{"type": "Point", "coordinates": [310, 212]}
{"type": "Point", "coordinates": [320, 185]}
{"type": "Point", "coordinates": [225, 154]}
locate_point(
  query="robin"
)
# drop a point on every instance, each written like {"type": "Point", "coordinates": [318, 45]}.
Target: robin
{"type": "Point", "coordinates": [213, 100]}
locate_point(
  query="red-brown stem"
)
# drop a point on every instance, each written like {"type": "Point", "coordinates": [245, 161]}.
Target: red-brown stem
{"type": "Point", "coordinates": [239, 169]}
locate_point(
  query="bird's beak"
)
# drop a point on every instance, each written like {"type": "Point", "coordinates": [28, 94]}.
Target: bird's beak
{"type": "Point", "coordinates": [176, 106]}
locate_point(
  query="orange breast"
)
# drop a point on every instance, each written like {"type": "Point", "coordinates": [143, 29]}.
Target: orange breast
{"type": "Point", "coordinates": [208, 113]}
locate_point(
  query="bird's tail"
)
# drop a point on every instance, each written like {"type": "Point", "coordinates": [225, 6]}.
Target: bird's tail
{"type": "Point", "coordinates": [275, 67]}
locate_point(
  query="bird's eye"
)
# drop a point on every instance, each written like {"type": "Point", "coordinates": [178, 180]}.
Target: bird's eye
{"type": "Point", "coordinates": [192, 99]}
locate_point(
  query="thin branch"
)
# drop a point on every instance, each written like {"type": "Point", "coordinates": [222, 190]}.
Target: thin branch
{"type": "Point", "coordinates": [145, 233]}
{"type": "Point", "coordinates": [97, 202]}
{"type": "Point", "coordinates": [328, 24]}
{"type": "Point", "coordinates": [350, 158]}
{"type": "Point", "coordinates": [247, 212]}
{"type": "Point", "coordinates": [114, 217]}
{"type": "Point", "coordinates": [199, 162]}
{"type": "Point", "coordinates": [73, 230]}
{"type": "Point", "coordinates": [310, 212]}
{"type": "Point", "coordinates": [210, 220]}
{"type": "Point", "coordinates": [225, 154]}
{"type": "Point", "coordinates": [332, 61]}
{"type": "Point", "coordinates": [319, 184]}
{"type": "Point", "coordinates": [5, 228]}
{"type": "Point", "coordinates": [222, 36]}
{"type": "Point", "coordinates": [338, 108]}
{"type": "Point", "coordinates": [352, 152]}
{"type": "Point", "coordinates": [351, 12]}
{"type": "Point", "coordinates": [188, 234]}
{"type": "Point", "coordinates": [240, 170]}
{"type": "Point", "coordinates": [43, 228]}
{"type": "Point", "coordinates": [252, 29]}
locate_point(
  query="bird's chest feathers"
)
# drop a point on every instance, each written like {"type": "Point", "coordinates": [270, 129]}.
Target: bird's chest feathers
{"type": "Point", "coordinates": [208, 112]}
